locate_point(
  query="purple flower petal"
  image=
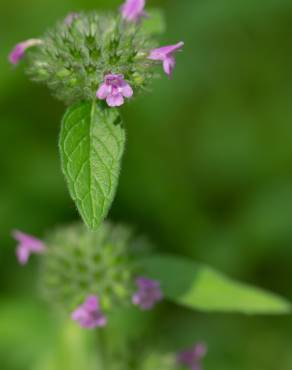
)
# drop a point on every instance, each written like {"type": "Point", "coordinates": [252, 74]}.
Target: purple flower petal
{"type": "Point", "coordinates": [133, 10]}
{"type": "Point", "coordinates": [27, 245]}
{"type": "Point", "coordinates": [17, 54]}
{"type": "Point", "coordinates": [103, 91]}
{"type": "Point", "coordinates": [91, 303]}
{"type": "Point", "coordinates": [100, 321]}
{"type": "Point", "coordinates": [89, 315]}
{"type": "Point", "coordinates": [161, 53]}
{"type": "Point", "coordinates": [80, 314]}
{"type": "Point", "coordinates": [148, 294]}
{"type": "Point", "coordinates": [19, 50]}
{"type": "Point", "coordinates": [168, 65]}
{"type": "Point", "coordinates": [113, 78]}
{"type": "Point", "coordinates": [200, 350]}
{"type": "Point", "coordinates": [30, 241]}
{"type": "Point", "coordinates": [165, 54]}
{"type": "Point", "coordinates": [193, 357]}
{"type": "Point", "coordinates": [127, 91]}
{"type": "Point", "coordinates": [115, 100]}
{"type": "Point", "coordinates": [70, 18]}
{"type": "Point", "coordinates": [22, 255]}
{"type": "Point", "coordinates": [114, 89]}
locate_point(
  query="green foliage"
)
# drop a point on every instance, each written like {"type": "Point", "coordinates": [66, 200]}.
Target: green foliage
{"type": "Point", "coordinates": [224, 163]}
{"type": "Point", "coordinates": [74, 58]}
{"type": "Point", "coordinates": [92, 142]}
{"type": "Point", "coordinates": [200, 287]}
{"type": "Point", "coordinates": [155, 22]}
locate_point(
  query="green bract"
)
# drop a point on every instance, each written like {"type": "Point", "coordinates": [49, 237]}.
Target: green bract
{"type": "Point", "coordinates": [74, 58]}
{"type": "Point", "coordinates": [79, 262]}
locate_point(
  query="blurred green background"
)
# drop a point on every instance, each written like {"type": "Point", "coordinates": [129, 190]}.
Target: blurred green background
{"type": "Point", "coordinates": [207, 173]}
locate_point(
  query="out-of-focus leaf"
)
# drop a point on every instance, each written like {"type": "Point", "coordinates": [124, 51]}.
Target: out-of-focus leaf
{"type": "Point", "coordinates": [200, 287]}
{"type": "Point", "coordinates": [91, 145]}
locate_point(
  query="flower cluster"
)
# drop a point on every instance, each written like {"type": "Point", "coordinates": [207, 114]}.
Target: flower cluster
{"type": "Point", "coordinates": [87, 247]}
{"type": "Point", "coordinates": [89, 314]}
{"type": "Point", "coordinates": [97, 56]}
{"type": "Point", "coordinates": [97, 266]}
{"type": "Point", "coordinates": [192, 358]}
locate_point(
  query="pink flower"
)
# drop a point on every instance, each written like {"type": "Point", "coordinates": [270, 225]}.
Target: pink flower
{"type": "Point", "coordinates": [149, 293]}
{"type": "Point", "coordinates": [70, 18]}
{"type": "Point", "coordinates": [114, 89]}
{"type": "Point", "coordinates": [165, 54]}
{"type": "Point", "coordinates": [192, 358]}
{"type": "Point", "coordinates": [19, 50]}
{"type": "Point", "coordinates": [133, 10]}
{"type": "Point", "coordinates": [27, 244]}
{"type": "Point", "coordinates": [89, 315]}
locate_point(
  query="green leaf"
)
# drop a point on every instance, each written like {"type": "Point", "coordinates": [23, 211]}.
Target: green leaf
{"type": "Point", "coordinates": [196, 286]}
{"type": "Point", "coordinates": [91, 145]}
{"type": "Point", "coordinates": [154, 23]}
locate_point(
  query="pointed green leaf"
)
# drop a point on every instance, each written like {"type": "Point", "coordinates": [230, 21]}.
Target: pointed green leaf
{"type": "Point", "coordinates": [200, 287]}
{"type": "Point", "coordinates": [91, 146]}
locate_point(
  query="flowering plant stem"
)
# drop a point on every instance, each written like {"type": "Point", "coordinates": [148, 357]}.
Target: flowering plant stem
{"type": "Point", "coordinates": [96, 62]}
{"type": "Point", "coordinates": [102, 350]}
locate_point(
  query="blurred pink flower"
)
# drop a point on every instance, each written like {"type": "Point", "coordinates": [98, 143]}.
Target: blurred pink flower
{"type": "Point", "coordinates": [27, 244]}
{"type": "Point", "coordinates": [192, 357]}
{"type": "Point", "coordinates": [89, 315]}
{"type": "Point", "coordinates": [70, 18]}
{"type": "Point", "coordinates": [133, 10]}
{"type": "Point", "coordinates": [149, 293]}
{"type": "Point", "coordinates": [19, 50]}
